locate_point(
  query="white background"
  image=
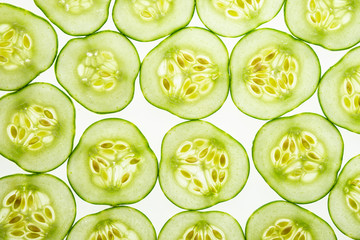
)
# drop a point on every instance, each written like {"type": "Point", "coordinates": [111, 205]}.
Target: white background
{"type": "Point", "coordinates": [154, 123]}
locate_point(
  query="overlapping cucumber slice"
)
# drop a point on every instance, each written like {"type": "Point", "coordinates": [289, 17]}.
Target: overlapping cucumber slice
{"type": "Point", "coordinates": [299, 156]}
{"type": "Point", "coordinates": [28, 46]}
{"type": "Point", "coordinates": [185, 76]}
{"type": "Point", "coordinates": [201, 165]}
{"type": "Point", "coordinates": [272, 73]}
{"type": "Point", "coordinates": [284, 220]}
{"type": "Point", "coordinates": [112, 164]}
{"type": "Point", "coordinates": [37, 127]}
{"type": "Point", "coordinates": [232, 18]}
{"type": "Point", "coordinates": [99, 71]}
{"type": "Point", "coordinates": [194, 225]}
{"type": "Point", "coordinates": [35, 207]}
{"type": "Point", "coordinates": [332, 24]}
{"type": "Point", "coordinates": [76, 17]}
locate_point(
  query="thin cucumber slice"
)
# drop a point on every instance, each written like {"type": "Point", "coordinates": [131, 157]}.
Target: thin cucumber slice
{"type": "Point", "coordinates": [76, 17]}
{"type": "Point", "coordinates": [201, 165]}
{"type": "Point", "coordinates": [339, 92]}
{"type": "Point", "coordinates": [185, 76]}
{"type": "Point", "coordinates": [114, 223]}
{"type": "Point", "coordinates": [112, 164]}
{"type": "Point", "coordinates": [28, 46]}
{"type": "Point", "coordinates": [99, 71]}
{"type": "Point", "coordinates": [284, 220]}
{"type": "Point", "coordinates": [299, 156]}
{"type": "Point", "coordinates": [272, 73]}
{"type": "Point", "coordinates": [35, 207]}
{"type": "Point", "coordinates": [232, 18]}
{"type": "Point", "coordinates": [37, 127]}
{"type": "Point", "coordinates": [193, 225]}
{"type": "Point", "coordinates": [344, 201]}
{"type": "Point", "coordinates": [332, 24]}
{"type": "Point", "coordinates": [148, 20]}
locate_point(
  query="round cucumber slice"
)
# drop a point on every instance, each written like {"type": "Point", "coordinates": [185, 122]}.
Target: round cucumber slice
{"type": "Point", "coordinates": [148, 20]}
{"type": "Point", "coordinates": [339, 92]}
{"type": "Point", "coordinates": [193, 225]}
{"type": "Point", "coordinates": [37, 127]}
{"type": "Point", "coordinates": [99, 71]}
{"type": "Point", "coordinates": [299, 156]}
{"type": "Point", "coordinates": [28, 46]}
{"type": "Point", "coordinates": [332, 24]}
{"type": "Point", "coordinates": [272, 73]}
{"type": "Point", "coordinates": [76, 17]}
{"type": "Point", "coordinates": [114, 223]}
{"type": "Point", "coordinates": [112, 164]}
{"type": "Point", "coordinates": [284, 220]}
{"type": "Point", "coordinates": [185, 76]}
{"type": "Point", "coordinates": [201, 165]}
{"type": "Point", "coordinates": [344, 199]}
{"type": "Point", "coordinates": [232, 18]}
{"type": "Point", "coordinates": [35, 207]}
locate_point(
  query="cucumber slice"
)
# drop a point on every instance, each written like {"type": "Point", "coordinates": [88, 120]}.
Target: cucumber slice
{"type": "Point", "coordinates": [193, 225]}
{"type": "Point", "coordinates": [284, 220]}
{"type": "Point", "coordinates": [185, 76]}
{"type": "Point", "coordinates": [332, 24]}
{"type": "Point", "coordinates": [35, 207]}
{"type": "Point", "coordinates": [148, 20]}
{"type": "Point", "coordinates": [99, 71]}
{"type": "Point", "coordinates": [114, 223]}
{"type": "Point", "coordinates": [201, 165]}
{"type": "Point", "coordinates": [112, 164]}
{"type": "Point", "coordinates": [76, 17]}
{"type": "Point", "coordinates": [299, 156]}
{"type": "Point", "coordinates": [28, 46]}
{"type": "Point", "coordinates": [37, 127]}
{"type": "Point", "coordinates": [339, 92]}
{"type": "Point", "coordinates": [344, 199]}
{"type": "Point", "coordinates": [272, 73]}
{"type": "Point", "coordinates": [232, 18]}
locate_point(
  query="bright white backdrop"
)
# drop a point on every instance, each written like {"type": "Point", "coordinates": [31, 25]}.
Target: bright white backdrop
{"type": "Point", "coordinates": [154, 123]}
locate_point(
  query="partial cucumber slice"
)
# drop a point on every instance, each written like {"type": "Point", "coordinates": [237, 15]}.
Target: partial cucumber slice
{"type": "Point", "coordinates": [28, 46]}
{"type": "Point", "coordinates": [114, 223]}
{"type": "Point", "coordinates": [99, 71]}
{"type": "Point", "coordinates": [148, 20]}
{"type": "Point", "coordinates": [35, 207]}
{"type": "Point", "coordinates": [272, 73]}
{"type": "Point", "coordinates": [76, 17]}
{"type": "Point", "coordinates": [112, 164]}
{"type": "Point", "coordinates": [332, 24]}
{"type": "Point", "coordinates": [201, 165]}
{"type": "Point", "coordinates": [37, 127]}
{"type": "Point", "coordinates": [339, 92]}
{"type": "Point", "coordinates": [185, 76]}
{"type": "Point", "coordinates": [193, 225]}
{"type": "Point", "coordinates": [232, 18]}
{"type": "Point", "coordinates": [299, 156]}
{"type": "Point", "coordinates": [284, 220]}
{"type": "Point", "coordinates": [344, 200]}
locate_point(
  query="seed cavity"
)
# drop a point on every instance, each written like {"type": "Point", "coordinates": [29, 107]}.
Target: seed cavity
{"type": "Point", "coordinates": [351, 92]}
{"type": "Point", "coordinates": [286, 229]}
{"type": "Point", "coordinates": [76, 6]}
{"type": "Point", "coordinates": [238, 9]}
{"type": "Point", "coordinates": [203, 231]}
{"type": "Point", "coordinates": [113, 230]}
{"type": "Point", "coordinates": [150, 10]}
{"type": "Point", "coordinates": [352, 195]}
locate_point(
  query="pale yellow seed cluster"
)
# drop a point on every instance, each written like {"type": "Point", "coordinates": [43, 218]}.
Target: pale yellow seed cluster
{"type": "Point", "coordinates": [150, 10]}
{"type": "Point", "coordinates": [238, 9]}
{"type": "Point", "coordinates": [352, 195]}
{"type": "Point", "coordinates": [100, 70]}
{"type": "Point", "coordinates": [76, 6]}
{"type": "Point", "coordinates": [272, 74]}
{"type": "Point", "coordinates": [203, 231]}
{"type": "Point", "coordinates": [202, 167]}
{"type": "Point", "coordinates": [286, 229]}
{"type": "Point", "coordinates": [15, 47]}
{"type": "Point", "coordinates": [187, 76]}
{"type": "Point", "coordinates": [299, 156]}
{"type": "Point", "coordinates": [329, 14]}
{"type": "Point", "coordinates": [351, 89]}
{"type": "Point", "coordinates": [113, 164]}
{"type": "Point", "coordinates": [113, 231]}
{"type": "Point", "coordinates": [26, 214]}
{"type": "Point", "coordinates": [32, 127]}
